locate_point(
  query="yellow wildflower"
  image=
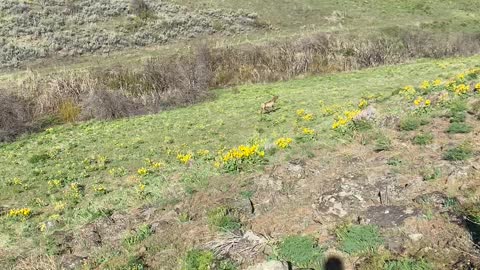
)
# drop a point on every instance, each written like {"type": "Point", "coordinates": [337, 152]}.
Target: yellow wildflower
{"type": "Point", "coordinates": [428, 102]}
{"type": "Point", "coordinates": [300, 112]}
{"type": "Point", "coordinates": [418, 101]}
{"type": "Point", "coordinates": [461, 89]}
{"type": "Point", "coordinates": [425, 85]}
{"type": "Point", "coordinates": [184, 158]}
{"type": "Point", "coordinates": [362, 104]}
{"type": "Point", "coordinates": [477, 87]}
{"type": "Point", "coordinates": [308, 131]}
{"type": "Point", "coordinates": [22, 213]}
{"type": "Point", "coordinates": [308, 117]}
{"type": "Point", "coordinates": [283, 142]}
{"type": "Point", "coordinates": [437, 82]}
{"type": "Point", "coordinates": [346, 119]}
{"type": "Point", "coordinates": [142, 171]}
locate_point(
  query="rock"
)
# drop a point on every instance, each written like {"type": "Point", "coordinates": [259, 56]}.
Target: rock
{"type": "Point", "coordinates": [270, 265]}
{"type": "Point", "coordinates": [415, 237]}
{"type": "Point", "coordinates": [388, 216]}
{"type": "Point", "coordinates": [367, 114]}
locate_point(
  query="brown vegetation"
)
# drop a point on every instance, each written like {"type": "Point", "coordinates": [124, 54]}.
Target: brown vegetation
{"type": "Point", "coordinates": [185, 79]}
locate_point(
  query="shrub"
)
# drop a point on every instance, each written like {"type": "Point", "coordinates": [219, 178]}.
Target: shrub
{"type": "Point", "coordinates": [198, 260]}
{"type": "Point", "coordinates": [301, 251]}
{"type": "Point", "coordinates": [14, 116]}
{"type": "Point", "coordinates": [461, 152]}
{"type": "Point", "coordinates": [105, 105]}
{"type": "Point", "coordinates": [224, 218]}
{"type": "Point", "coordinates": [142, 233]}
{"type": "Point", "coordinates": [69, 112]}
{"type": "Point", "coordinates": [356, 239]}
{"type": "Point", "coordinates": [383, 143]}
{"type": "Point", "coordinates": [410, 123]}
{"type": "Point", "coordinates": [458, 117]}
{"type": "Point", "coordinates": [423, 139]}
{"type": "Point", "coordinates": [456, 127]}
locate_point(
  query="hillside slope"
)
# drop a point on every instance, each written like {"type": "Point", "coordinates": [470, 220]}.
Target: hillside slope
{"type": "Point", "coordinates": [220, 185]}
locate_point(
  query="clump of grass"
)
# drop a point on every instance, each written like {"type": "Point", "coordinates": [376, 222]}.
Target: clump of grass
{"type": "Point", "coordinates": [301, 251]}
{"type": "Point", "coordinates": [37, 158]}
{"type": "Point", "coordinates": [224, 218]}
{"type": "Point", "coordinates": [458, 106]}
{"type": "Point", "coordinates": [458, 127]}
{"type": "Point", "coordinates": [382, 143]}
{"type": "Point", "coordinates": [357, 239]}
{"type": "Point", "coordinates": [142, 233]}
{"type": "Point", "coordinates": [198, 260]}
{"type": "Point", "coordinates": [423, 139]}
{"type": "Point", "coordinates": [407, 264]}
{"type": "Point", "coordinates": [412, 122]}
{"type": "Point", "coordinates": [460, 152]}
{"type": "Point", "coordinates": [458, 117]}
{"type": "Point", "coordinates": [430, 174]}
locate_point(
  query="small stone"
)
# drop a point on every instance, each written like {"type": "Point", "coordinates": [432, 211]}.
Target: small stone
{"type": "Point", "coordinates": [415, 237]}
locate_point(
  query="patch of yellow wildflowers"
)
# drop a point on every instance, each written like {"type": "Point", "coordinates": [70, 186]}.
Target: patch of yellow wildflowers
{"type": "Point", "coordinates": [461, 89]}
{"type": "Point", "coordinates": [283, 143]}
{"type": "Point", "coordinates": [362, 104]}
{"type": "Point", "coordinates": [308, 131]}
{"type": "Point", "coordinates": [20, 213]}
{"type": "Point", "coordinates": [344, 120]}
{"type": "Point", "coordinates": [184, 158]}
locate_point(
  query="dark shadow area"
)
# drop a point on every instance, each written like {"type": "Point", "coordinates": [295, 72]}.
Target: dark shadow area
{"type": "Point", "coordinates": [334, 263]}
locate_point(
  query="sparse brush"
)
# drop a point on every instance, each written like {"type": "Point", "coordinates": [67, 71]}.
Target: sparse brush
{"type": "Point", "coordinates": [407, 264]}
{"type": "Point", "coordinates": [456, 127]}
{"type": "Point", "coordinates": [224, 218]}
{"type": "Point", "coordinates": [357, 239]}
{"type": "Point", "coordinates": [460, 152]}
{"type": "Point", "coordinates": [382, 143]}
{"type": "Point", "coordinates": [410, 123]}
{"type": "Point", "coordinates": [301, 251]}
{"type": "Point", "coordinates": [423, 139]}
{"type": "Point", "coordinates": [142, 233]}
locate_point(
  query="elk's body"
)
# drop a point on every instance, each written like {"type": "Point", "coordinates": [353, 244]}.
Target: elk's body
{"type": "Point", "coordinates": [269, 106]}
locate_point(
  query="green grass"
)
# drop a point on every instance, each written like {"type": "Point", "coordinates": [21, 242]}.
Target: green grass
{"type": "Point", "coordinates": [142, 233]}
{"type": "Point", "coordinates": [301, 251]}
{"type": "Point", "coordinates": [224, 219]}
{"type": "Point", "coordinates": [458, 153]}
{"type": "Point", "coordinates": [359, 239]}
{"type": "Point", "coordinates": [456, 127]}
{"type": "Point", "coordinates": [423, 139]}
{"type": "Point", "coordinates": [407, 264]}
{"type": "Point", "coordinates": [111, 154]}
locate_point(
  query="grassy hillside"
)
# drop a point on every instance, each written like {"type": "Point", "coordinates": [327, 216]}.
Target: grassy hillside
{"type": "Point", "coordinates": [151, 186]}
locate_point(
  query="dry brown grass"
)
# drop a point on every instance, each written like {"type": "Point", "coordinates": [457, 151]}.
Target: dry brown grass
{"type": "Point", "coordinates": [184, 79]}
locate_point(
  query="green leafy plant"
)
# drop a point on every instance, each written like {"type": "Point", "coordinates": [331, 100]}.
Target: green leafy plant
{"type": "Point", "coordinates": [198, 260]}
{"type": "Point", "coordinates": [457, 127]}
{"type": "Point", "coordinates": [460, 152]}
{"type": "Point", "coordinates": [142, 233]}
{"type": "Point", "coordinates": [410, 123]}
{"type": "Point", "coordinates": [357, 239]}
{"type": "Point", "coordinates": [382, 143]}
{"type": "Point", "coordinates": [224, 218]}
{"type": "Point", "coordinates": [430, 174]}
{"type": "Point", "coordinates": [407, 264]}
{"type": "Point", "coordinates": [423, 139]}
{"type": "Point", "coordinates": [301, 251]}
